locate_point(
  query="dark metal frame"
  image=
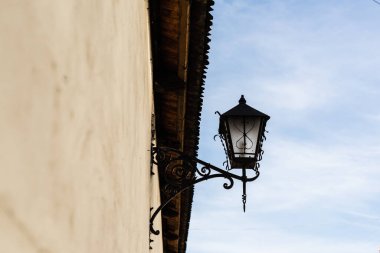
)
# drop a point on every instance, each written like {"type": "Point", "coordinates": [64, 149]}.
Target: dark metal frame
{"type": "Point", "coordinates": [238, 162]}
{"type": "Point", "coordinates": [181, 172]}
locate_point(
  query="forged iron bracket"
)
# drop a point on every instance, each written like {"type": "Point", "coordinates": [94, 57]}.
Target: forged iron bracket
{"type": "Point", "coordinates": [179, 172]}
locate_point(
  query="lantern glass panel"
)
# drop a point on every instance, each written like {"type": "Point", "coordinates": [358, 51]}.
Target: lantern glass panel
{"type": "Point", "coordinates": [244, 133]}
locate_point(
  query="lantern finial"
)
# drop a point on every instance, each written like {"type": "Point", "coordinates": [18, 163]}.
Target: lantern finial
{"type": "Point", "coordinates": [242, 100]}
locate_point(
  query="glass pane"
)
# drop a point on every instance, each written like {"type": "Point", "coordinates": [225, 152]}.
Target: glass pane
{"type": "Point", "coordinates": [244, 133]}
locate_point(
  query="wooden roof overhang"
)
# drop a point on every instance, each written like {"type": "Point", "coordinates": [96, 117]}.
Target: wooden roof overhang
{"type": "Point", "coordinates": [180, 36]}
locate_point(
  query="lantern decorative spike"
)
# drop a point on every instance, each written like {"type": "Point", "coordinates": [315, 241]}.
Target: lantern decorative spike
{"type": "Point", "coordinates": [242, 100]}
{"type": "Point", "coordinates": [244, 197]}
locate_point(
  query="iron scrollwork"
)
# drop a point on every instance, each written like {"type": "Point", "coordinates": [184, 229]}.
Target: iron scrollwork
{"type": "Point", "coordinates": [180, 172]}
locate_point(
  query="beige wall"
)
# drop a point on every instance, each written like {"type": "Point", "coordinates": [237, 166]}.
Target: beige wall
{"type": "Point", "coordinates": [75, 112]}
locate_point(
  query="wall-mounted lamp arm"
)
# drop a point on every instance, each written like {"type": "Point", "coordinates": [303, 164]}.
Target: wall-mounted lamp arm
{"type": "Point", "coordinates": [180, 172]}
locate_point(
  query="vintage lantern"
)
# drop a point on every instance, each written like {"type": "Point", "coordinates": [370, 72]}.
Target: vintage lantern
{"type": "Point", "coordinates": [242, 129]}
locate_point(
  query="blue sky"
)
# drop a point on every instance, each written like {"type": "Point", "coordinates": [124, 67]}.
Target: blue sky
{"type": "Point", "coordinates": [314, 67]}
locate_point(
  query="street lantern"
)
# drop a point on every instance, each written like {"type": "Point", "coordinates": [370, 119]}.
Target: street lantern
{"type": "Point", "coordinates": [242, 130]}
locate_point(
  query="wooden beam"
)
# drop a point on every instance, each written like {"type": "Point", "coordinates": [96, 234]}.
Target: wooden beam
{"type": "Point", "coordinates": [184, 33]}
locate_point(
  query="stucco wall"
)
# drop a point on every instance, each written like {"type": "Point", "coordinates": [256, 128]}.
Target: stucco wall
{"type": "Point", "coordinates": [75, 113]}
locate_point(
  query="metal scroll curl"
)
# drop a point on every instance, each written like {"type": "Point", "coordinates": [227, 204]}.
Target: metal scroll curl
{"type": "Point", "coordinates": [226, 163]}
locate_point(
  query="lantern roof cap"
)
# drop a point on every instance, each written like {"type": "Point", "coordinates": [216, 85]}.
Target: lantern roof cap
{"type": "Point", "coordinates": [242, 109]}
